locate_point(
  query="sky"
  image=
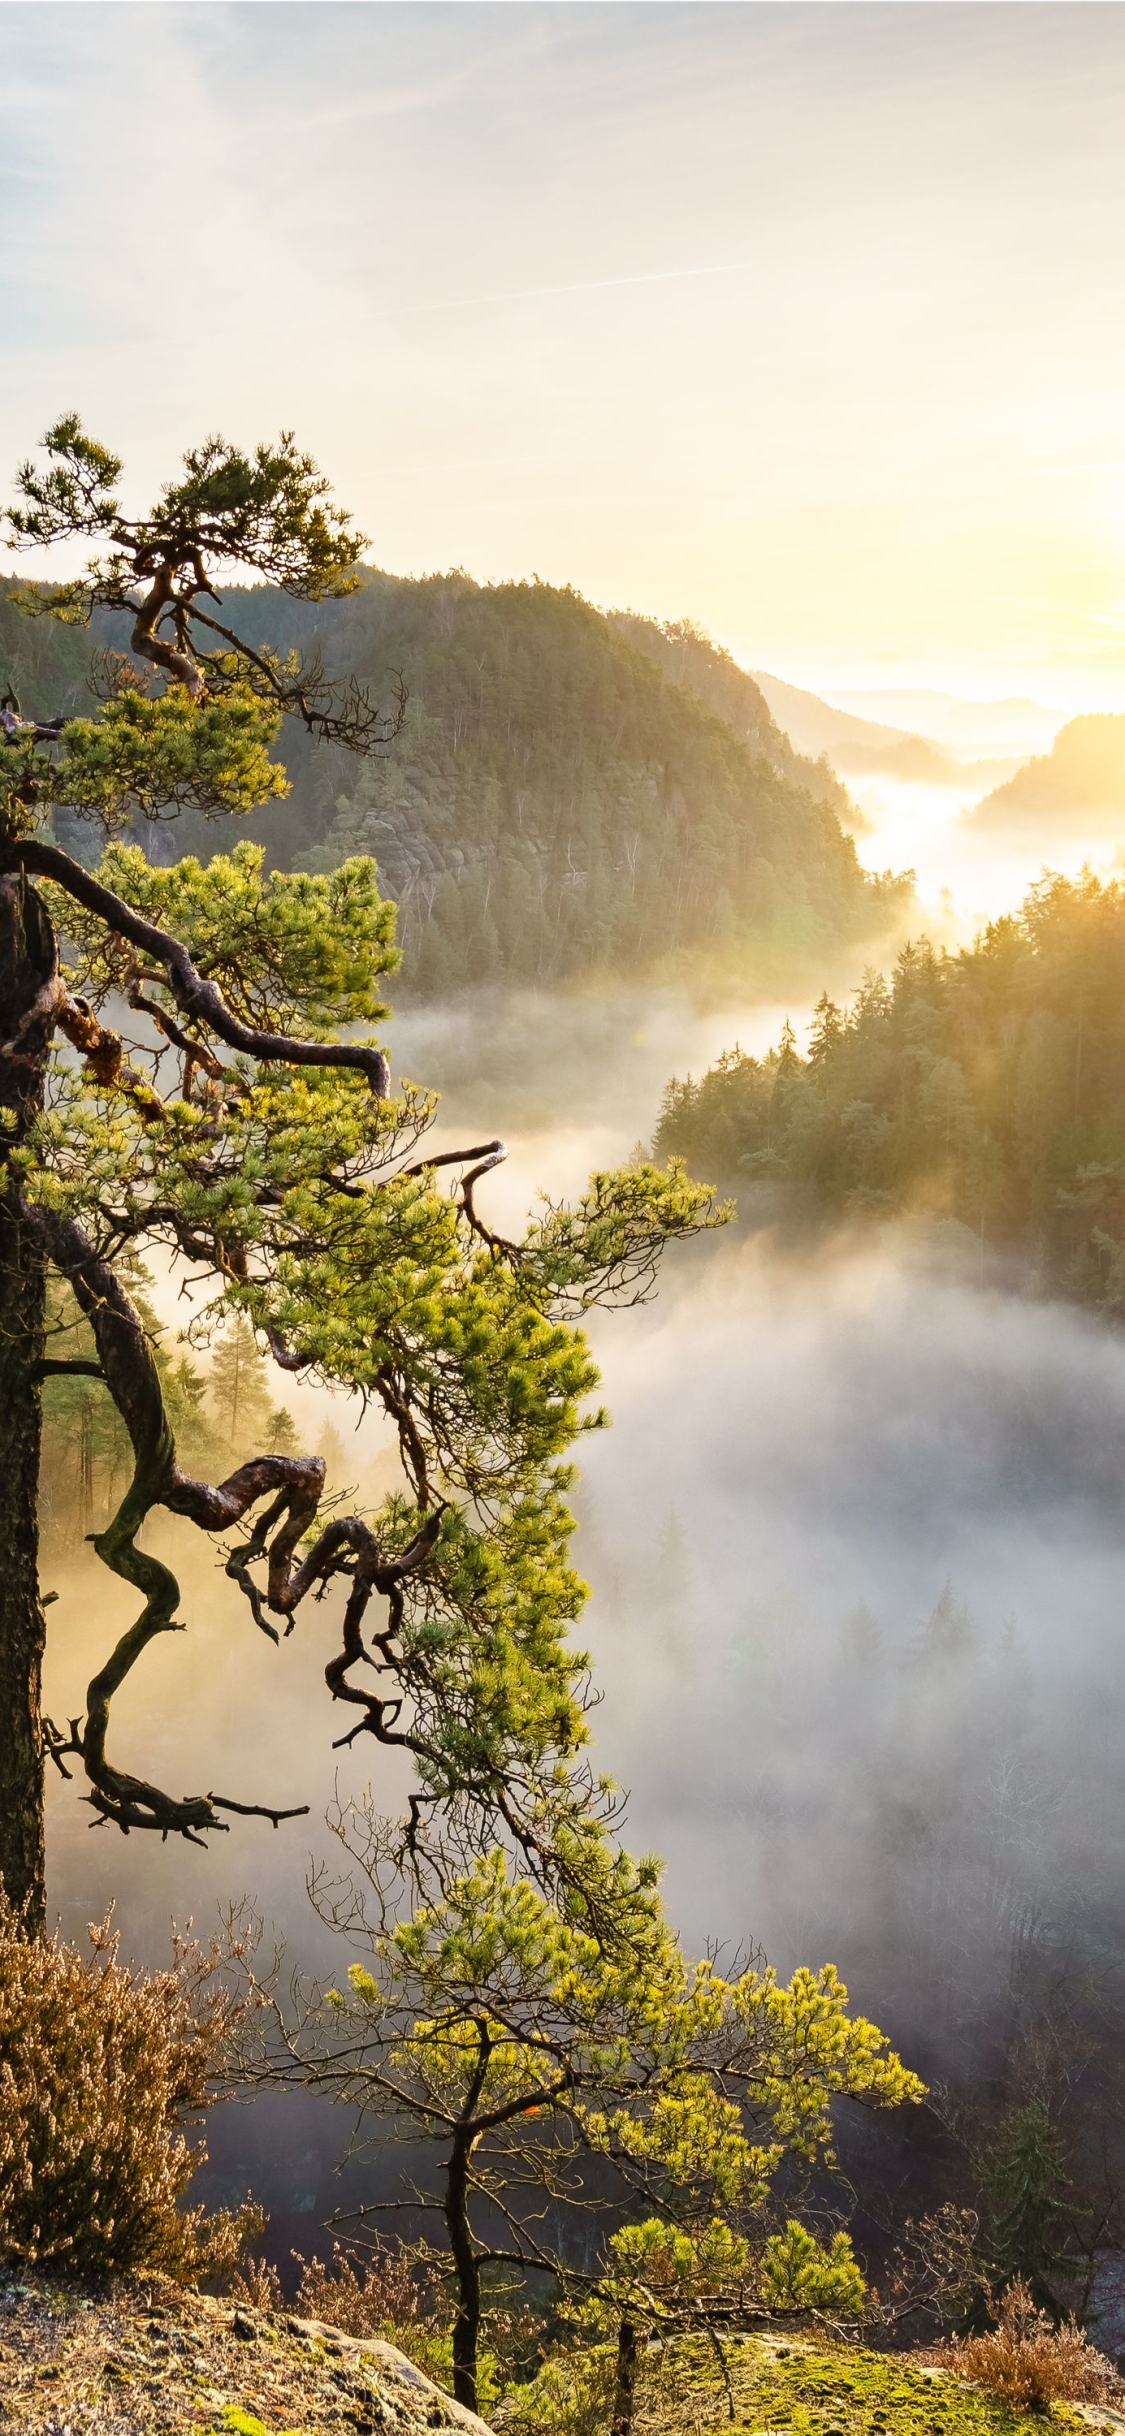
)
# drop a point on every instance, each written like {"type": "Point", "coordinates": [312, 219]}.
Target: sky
{"type": "Point", "coordinates": [802, 321]}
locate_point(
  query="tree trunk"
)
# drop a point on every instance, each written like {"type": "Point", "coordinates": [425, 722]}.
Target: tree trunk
{"type": "Point", "coordinates": [629, 2348]}
{"type": "Point", "coordinates": [27, 958]}
{"type": "Point", "coordinates": [466, 2325]}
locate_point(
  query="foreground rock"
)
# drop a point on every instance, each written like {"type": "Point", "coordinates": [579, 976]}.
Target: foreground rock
{"type": "Point", "coordinates": [149, 2360]}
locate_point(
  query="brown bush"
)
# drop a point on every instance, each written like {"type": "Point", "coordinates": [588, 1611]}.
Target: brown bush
{"type": "Point", "coordinates": [391, 2295]}
{"type": "Point", "coordinates": [258, 2283]}
{"type": "Point", "coordinates": [99, 2065]}
{"type": "Point", "coordinates": [1025, 2359]}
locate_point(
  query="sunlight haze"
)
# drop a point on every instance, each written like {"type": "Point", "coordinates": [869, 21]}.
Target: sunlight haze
{"type": "Point", "coordinates": [803, 322]}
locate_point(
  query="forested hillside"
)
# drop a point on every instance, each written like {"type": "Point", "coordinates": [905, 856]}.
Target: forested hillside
{"type": "Point", "coordinates": [686, 656]}
{"type": "Point", "coordinates": [569, 793]}
{"type": "Point", "coordinates": [987, 1086]}
{"type": "Point", "coordinates": [1080, 782]}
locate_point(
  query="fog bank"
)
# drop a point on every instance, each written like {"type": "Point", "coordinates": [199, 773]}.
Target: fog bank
{"type": "Point", "coordinates": [809, 1458]}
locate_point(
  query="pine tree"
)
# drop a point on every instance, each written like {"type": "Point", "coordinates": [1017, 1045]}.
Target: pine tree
{"type": "Point", "coordinates": [238, 1386]}
{"type": "Point", "coordinates": [1028, 2186]}
{"type": "Point", "coordinates": [268, 1148]}
{"type": "Point", "coordinates": [281, 1432]}
{"type": "Point", "coordinates": [550, 2070]}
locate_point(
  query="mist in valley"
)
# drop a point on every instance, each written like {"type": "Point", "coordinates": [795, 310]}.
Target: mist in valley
{"type": "Point", "coordinates": [968, 872]}
{"type": "Point", "coordinates": [854, 1541]}
{"type": "Point", "coordinates": [855, 1545]}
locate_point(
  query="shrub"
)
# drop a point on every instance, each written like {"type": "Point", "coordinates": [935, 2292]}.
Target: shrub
{"type": "Point", "coordinates": [259, 2284]}
{"type": "Point", "coordinates": [392, 2295]}
{"type": "Point", "coordinates": [99, 2065]}
{"type": "Point", "coordinates": [1025, 2359]}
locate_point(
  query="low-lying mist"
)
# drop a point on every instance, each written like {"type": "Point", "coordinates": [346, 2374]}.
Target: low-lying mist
{"type": "Point", "coordinates": [855, 1542]}
{"type": "Point", "coordinates": [967, 873]}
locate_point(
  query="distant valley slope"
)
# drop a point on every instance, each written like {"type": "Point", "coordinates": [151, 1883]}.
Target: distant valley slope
{"type": "Point", "coordinates": [849, 743]}
{"type": "Point", "coordinates": [860, 747]}
{"type": "Point", "coordinates": [570, 793]}
{"type": "Point", "coordinates": [1080, 783]}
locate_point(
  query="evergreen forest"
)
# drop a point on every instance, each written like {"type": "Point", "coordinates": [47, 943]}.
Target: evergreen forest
{"type": "Point", "coordinates": [568, 795]}
{"type": "Point", "coordinates": [984, 1087]}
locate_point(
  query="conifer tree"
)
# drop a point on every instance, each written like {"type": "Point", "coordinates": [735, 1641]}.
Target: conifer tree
{"type": "Point", "coordinates": [238, 1122]}
{"type": "Point", "coordinates": [1028, 2186]}
{"type": "Point", "coordinates": [551, 2070]}
{"type": "Point", "coordinates": [238, 1386]}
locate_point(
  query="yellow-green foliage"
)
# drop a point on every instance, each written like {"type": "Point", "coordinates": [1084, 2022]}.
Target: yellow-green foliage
{"type": "Point", "coordinates": [98, 2067]}
{"type": "Point", "coordinates": [654, 2268]}
{"type": "Point", "coordinates": [797, 2272]}
{"type": "Point", "coordinates": [672, 2260]}
{"type": "Point", "coordinates": [498, 2014]}
{"type": "Point", "coordinates": [236, 2422]}
{"type": "Point", "coordinates": [283, 947]}
{"type": "Point", "coordinates": [148, 753]}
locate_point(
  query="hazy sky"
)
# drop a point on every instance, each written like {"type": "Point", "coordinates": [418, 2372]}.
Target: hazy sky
{"type": "Point", "coordinates": [804, 321]}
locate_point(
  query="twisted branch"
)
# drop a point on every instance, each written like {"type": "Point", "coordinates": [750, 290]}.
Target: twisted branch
{"type": "Point", "coordinates": [196, 997]}
{"type": "Point", "coordinates": [163, 595]}
{"type": "Point", "coordinates": [293, 1483]}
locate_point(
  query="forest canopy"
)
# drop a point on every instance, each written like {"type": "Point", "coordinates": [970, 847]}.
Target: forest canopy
{"type": "Point", "coordinates": [986, 1087]}
{"type": "Point", "coordinates": [568, 793]}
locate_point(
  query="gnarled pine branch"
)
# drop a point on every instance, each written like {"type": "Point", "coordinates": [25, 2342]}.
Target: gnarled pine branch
{"type": "Point", "coordinates": [196, 997]}
{"type": "Point", "coordinates": [294, 1485]}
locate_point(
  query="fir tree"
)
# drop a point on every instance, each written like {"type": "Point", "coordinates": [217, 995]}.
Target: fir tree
{"type": "Point", "coordinates": [238, 1386]}
{"type": "Point", "coordinates": [1028, 2187]}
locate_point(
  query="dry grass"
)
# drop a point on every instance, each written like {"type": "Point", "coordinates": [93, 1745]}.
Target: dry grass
{"type": "Point", "coordinates": [1027, 2361]}
{"type": "Point", "coordinates": [99, 2068]}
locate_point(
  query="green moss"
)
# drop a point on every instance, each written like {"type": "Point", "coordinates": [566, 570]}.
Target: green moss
{"type": "Point", "coordinates": [235, 2422]}
{"type": "Point", "coordinates": [811, 2392]}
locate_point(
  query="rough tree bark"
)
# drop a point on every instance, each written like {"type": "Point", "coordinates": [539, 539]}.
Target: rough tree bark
{"type": "Point", "coordinates": [27, 968]}
{"type": "Point", "coordinates": [466, 2325]}
{"type": "Point", "coordinates": [630, 2344]}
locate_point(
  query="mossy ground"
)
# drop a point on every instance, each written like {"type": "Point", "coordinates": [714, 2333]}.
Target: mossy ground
{"type": "Point", "coordinates": [144, 2358]}
{"type": "Point", "coordinates": [799, 2390]}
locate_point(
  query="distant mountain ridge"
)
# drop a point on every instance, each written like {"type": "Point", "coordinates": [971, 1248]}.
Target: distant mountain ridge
{"type": "Point", "coordinates": [849, 743]}
{"type": "Point", "coordinates": [856, 747]}
{"type": "Point", "coordinates": [1006, 729]}
{"type": "Point", "coordinates": [567, 797]}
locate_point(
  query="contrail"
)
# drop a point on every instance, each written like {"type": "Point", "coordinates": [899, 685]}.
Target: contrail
{"type": "Point", "coordinates": [574, 287]}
